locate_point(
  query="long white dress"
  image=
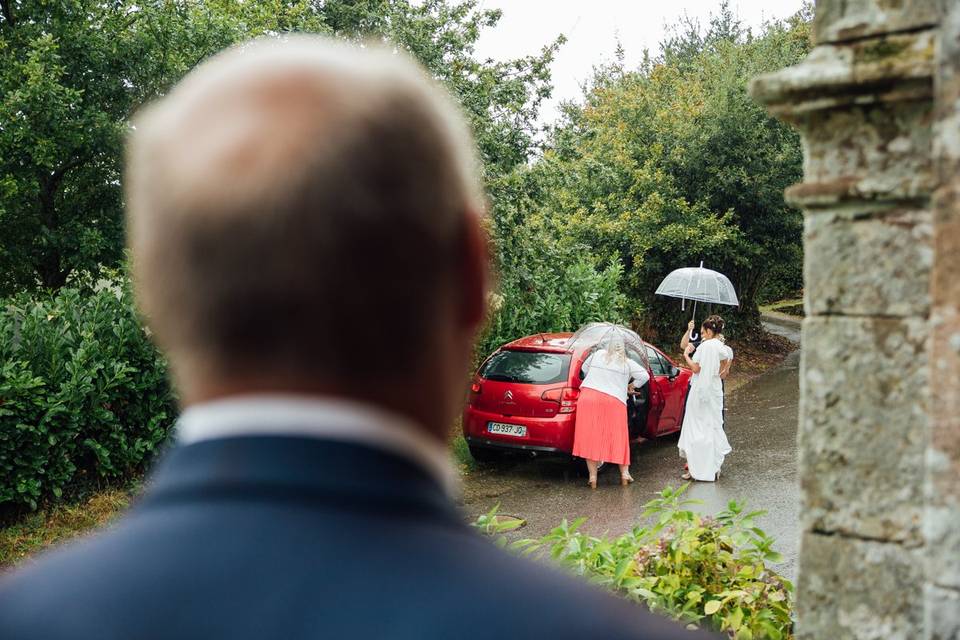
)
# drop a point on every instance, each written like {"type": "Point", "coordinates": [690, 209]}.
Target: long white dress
{"type": "Point", "coordinates": [702, 440]}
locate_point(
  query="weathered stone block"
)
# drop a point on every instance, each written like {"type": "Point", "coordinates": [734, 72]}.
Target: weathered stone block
{"type": "Point", "coordinates": [941, 528]}
{"type": "Point", "coordinates": [889, 69]}
{"type": "Point", "coordinates": [943, 613]}
{"type": "Point", "coordinates": [946, 145]}
{"type": "Point", "coordinates": [863, 426]}
{"type": "Point", "coordinates": [858, 264]}
{"type": "Point", "coordinates": [859, 590]}
{"type": "Point", "coordinates": [945, 285]}
{"type": "Point", "coordinates": [839, 20]}
{"type": "Point", "coordinates": [942, 519]}
{"type": "Point", "coordinates": [867, 153]}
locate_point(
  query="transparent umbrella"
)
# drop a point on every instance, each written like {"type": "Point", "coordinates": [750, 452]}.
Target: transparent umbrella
{"type": "Point", "coordinates": [700, 285]}
{"type": "Point", "coordinates": [602, 333]}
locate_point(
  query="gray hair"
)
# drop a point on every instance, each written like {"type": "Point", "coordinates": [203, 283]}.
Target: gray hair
{"type": "Point", "coordinates": [616, 349]}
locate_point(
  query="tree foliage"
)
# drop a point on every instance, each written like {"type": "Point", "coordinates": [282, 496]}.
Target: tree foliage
{"type": "Point", "coordinates": [672, 163]}
{"type": "Point", "coordinates": [658, 166]}
{"type": "Point", "coordinates": [72, 72]}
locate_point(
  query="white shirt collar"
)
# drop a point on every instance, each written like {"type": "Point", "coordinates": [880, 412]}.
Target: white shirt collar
{"type": "Point", "coordinates": [318, 417]}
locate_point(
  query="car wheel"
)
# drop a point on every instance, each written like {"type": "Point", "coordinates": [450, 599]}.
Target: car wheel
{"type": "Point", "coordinates": [486, 455]}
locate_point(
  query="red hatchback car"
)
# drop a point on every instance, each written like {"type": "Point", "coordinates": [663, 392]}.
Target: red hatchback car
{"type": "Point", "coordinates": [524, 398]}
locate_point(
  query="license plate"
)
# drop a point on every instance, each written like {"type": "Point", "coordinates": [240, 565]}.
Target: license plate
{"type": "Point", "coordinates": [516, 430]}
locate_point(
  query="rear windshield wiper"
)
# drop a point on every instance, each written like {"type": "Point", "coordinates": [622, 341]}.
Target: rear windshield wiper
{"type": "Point", "coordinates": [496, 377]}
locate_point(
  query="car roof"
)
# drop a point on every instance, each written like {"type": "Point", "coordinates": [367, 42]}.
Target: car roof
{"type": "Point", "coordinates": [550, 342]}
{"type": "Point", "coordinates": [546, 342]}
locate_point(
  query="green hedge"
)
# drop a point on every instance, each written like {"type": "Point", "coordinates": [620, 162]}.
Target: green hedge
{"type": "Point", "coordinates": [545, 297]}
{"type": "Point", "coordinates": [84, 396]}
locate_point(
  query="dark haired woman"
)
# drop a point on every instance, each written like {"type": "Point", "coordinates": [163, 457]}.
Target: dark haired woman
{"type": "Point", "coordinates": [702, 440]}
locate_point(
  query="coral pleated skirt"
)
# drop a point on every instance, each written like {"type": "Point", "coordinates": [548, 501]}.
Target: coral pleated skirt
{"type": "Point", "coordinates": [601, 428]}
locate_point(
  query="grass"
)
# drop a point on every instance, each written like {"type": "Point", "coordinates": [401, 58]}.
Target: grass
{"type": "Point", "coordinates": [792, 306]}
{"type": "Point", "coordinates": [460, 451]}
{"type": "Point", "coordinates": [792, 309]}
{"type": "Point", "coordinates": [53, 526]}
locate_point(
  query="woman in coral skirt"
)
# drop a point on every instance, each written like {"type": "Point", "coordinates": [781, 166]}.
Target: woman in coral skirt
{"type": "Point", "coordinates": [601, 428]}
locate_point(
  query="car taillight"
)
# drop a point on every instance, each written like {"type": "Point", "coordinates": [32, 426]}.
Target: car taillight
{"type": "Point", "coordinates": [569, 401]}
{"type": "Point", "coordinates": [475, 387]}
{"type": "Point", "coordinates": [566, 397]}
{"type": "Point", "coordinates": [552, 395]}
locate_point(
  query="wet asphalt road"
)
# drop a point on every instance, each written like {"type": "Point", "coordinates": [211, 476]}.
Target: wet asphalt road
{"type": "Point", "coordinates": [761, 425]}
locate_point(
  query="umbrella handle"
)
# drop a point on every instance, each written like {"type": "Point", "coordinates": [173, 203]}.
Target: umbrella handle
{"type": "Point", "coordinates": [683, 300]}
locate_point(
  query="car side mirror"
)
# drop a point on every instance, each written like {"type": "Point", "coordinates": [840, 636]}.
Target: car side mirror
{"type": "Point", "coordinates": [674, 372]}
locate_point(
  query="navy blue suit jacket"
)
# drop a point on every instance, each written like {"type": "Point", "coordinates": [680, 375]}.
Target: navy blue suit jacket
{"type": "Point", "coordinates": [276, 537]}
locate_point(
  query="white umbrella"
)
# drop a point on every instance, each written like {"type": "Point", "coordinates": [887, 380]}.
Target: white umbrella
{"type": "Point", "coordinates": [599, 333]}
{"type": "Point", "coordinates": [700, 285]}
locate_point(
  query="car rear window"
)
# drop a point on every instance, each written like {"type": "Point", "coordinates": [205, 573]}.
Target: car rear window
{"type": "Point", "coordinates": [527, 367]}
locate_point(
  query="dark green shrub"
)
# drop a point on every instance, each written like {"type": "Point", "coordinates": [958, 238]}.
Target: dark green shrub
{"type": "Point", "coordinates": [557, 298]}
{"type": "Point", "coordinates": [83, 393]}
{"type": "Point", "coordinates": [544, 287]}
{"type": "Point", "coordinates": [706, 571]}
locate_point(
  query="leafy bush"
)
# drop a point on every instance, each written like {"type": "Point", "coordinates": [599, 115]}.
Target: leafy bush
{"type": "Point", "coordinates": [543, 285]}
{"type": "Point", "coordinates": [83, 393]}
{"type": "Point", "coordinates": [707, 571]}
{"type": "Point", "coordinates": [549, 297]}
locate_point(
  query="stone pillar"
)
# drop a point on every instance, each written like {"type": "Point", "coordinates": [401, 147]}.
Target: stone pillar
{"type": "Point", "coordinates": [863, 102]}
{"type": "Point", "coordinates": [942, 521]}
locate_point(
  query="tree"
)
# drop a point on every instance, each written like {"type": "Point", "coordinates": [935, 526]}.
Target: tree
{"type": "Point", "coordinates": [740, 159]}
{"type": "Point", "coordinates": [672, 163]}
{"type": "Point", "coordinates": [72, 72]}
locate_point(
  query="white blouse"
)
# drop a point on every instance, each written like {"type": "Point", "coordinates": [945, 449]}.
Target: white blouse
{"type": "Point", "coordinates": [709, 355]}
{"type": "Point", "coordinates": [726, 352]}
{"type": "Point", "coordinates": [613, 377]}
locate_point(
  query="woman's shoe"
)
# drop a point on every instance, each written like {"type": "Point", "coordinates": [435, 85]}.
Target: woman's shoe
{"type": "Point", "coordinates": [686, 476]}
{"type": "Point", "coordinates": [718, 477]}
{"type": "Point", "coordinates": [592, 482]}
{"type": "Point", "coordinates": [625, 480]}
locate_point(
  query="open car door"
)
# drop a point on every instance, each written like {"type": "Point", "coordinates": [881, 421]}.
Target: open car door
{"type": "Point", "coordinates": [644, 405]}
{"type": "Point", "coordinates": [665, 386]}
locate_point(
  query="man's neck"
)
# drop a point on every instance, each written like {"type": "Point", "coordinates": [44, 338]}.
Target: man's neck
{"type": "Point", "coordinates": [317, 417]}
{"type": "Point", "coordinates": [384, 400]}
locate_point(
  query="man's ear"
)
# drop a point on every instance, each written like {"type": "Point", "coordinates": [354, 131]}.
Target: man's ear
{"type": "Point", "coordinates": [474, 272]}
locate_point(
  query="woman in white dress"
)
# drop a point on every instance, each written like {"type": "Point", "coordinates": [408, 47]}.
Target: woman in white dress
{"type": "Point", "coordinates": [702, 440]}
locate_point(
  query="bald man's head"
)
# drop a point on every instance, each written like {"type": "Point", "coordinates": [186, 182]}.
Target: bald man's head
{"type": "Point", "coordinates": [300, 208]}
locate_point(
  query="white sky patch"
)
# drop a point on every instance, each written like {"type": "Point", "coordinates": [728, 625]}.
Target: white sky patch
{"type": "Point", "coordinates": [592, 28]}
